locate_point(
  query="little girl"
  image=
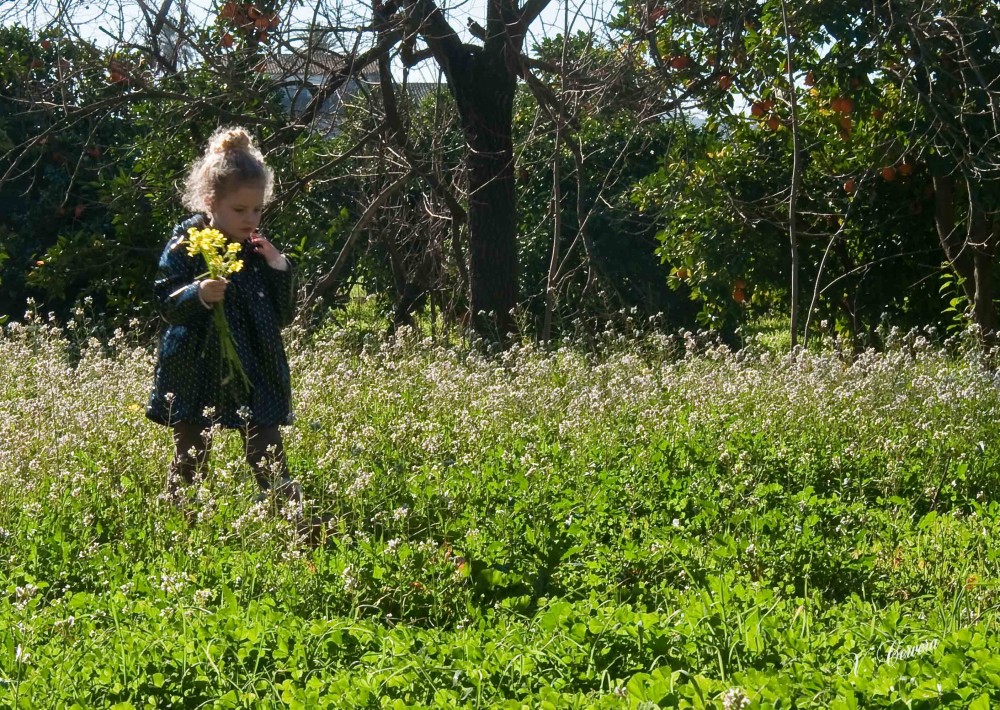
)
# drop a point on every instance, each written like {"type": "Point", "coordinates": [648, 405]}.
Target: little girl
{"type": "Point", "coordinates": [227, 188]}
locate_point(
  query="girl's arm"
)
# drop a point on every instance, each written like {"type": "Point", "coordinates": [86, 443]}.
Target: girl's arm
{"type": "Point", "coordinates": [279, 276]}
{"type": "Point", "coordinates": [175, 289]}
{"type": "Point", "coordinates": [281, 285]}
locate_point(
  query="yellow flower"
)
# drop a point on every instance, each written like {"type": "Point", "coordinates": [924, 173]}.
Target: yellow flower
{"type": "Point", "coordinates": [218, 252]}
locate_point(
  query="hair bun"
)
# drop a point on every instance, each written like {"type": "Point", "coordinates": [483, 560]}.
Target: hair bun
{"type": "Point", "coordinates": [231, 159]}
{"type": "Point", "coordinates": [232, 139]}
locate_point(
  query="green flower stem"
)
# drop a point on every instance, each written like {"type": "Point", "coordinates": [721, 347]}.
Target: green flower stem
{"type": "Point", "coordinates": [232, 367]}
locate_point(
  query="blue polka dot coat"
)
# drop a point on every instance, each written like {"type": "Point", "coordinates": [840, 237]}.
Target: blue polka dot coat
{"type": "Point", "coordinates": [259, 302]}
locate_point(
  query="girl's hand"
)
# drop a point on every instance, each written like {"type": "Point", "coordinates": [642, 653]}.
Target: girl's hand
{"type": "Point", "coordinates": [260, 245]}
{"type": "Point", "coordinates": [212, 290]}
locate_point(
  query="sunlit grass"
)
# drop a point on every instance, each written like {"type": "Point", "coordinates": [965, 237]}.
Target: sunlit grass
{"type": "Point", "coordinates": [652, 518]}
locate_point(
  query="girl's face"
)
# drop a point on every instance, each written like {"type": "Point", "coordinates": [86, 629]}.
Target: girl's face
{"type": "Point", "coordinates": [237, 212]}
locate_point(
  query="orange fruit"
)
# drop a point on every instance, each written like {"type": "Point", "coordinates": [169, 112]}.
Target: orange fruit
{"type": "Point", "coordinates": [849, 185]}
{"type": "Point", "coordinates": [842, 104]}
{"type": "Point", "coordinates": [889, 174]}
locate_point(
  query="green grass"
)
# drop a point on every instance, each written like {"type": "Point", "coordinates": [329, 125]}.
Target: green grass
{"type": "Point", "coordinates": [657, 522]}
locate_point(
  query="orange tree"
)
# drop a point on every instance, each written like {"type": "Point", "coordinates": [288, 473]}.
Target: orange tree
{"type": "Point", "coordinates": [887, 113]}
{"type": "Point", "coordinates": [865, 242]}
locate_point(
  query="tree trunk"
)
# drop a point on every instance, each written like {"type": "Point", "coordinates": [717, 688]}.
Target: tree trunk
{"type": "Point", "coordinates": [984, 251]}
{"type": "Point", "coordinates": [484, 93]}
{"type": "Point", "coordinates": [971, 255]}
{"type": "Point", "coordinates": [550, 281]}
{"type": "Point", "coordinates": [951, 240]}
{"type": "Point", "coordinates": [793, 192]}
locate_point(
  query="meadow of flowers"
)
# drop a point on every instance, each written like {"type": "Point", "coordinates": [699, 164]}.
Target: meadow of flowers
{"type": "Point", "coordinates": [649, 521]}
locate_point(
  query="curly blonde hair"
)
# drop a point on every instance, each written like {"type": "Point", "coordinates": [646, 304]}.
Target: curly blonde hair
{"type": "Point", "coordinates": [230, 161]}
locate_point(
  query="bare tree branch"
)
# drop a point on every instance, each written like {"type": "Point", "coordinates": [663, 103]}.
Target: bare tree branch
{"type": "Point", "coordinates": [332, 277]}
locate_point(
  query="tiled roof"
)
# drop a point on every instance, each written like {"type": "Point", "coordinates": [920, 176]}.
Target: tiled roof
{"type": "Point", "coordinates": [321, 63]}
{"type": "Point", "coordinates": [419, 91]}
{"type": "Point", "coordinates": [300, 78]}
{"type": "Point", "coordinates": [306, 64]}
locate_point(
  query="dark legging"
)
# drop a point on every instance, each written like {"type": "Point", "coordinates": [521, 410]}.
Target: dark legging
{"type": "Point", "coordinates": [262, 445]}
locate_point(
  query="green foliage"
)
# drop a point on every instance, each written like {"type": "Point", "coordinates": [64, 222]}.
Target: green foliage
{"type": "Point", "coordinates": [874, 123]}
{"type": "Point", "coordinates": [50, 201]}
{"type": "Point", "coordinates": [92, 204]}
{"type": "Point", "coordinates": [959, 308]}
{"type": "Point", "coordinates": [86, 207]}
{"type": "Point", "coordinates": [617, 267]}
{"type": "Point", "coordinates": [725, 223]}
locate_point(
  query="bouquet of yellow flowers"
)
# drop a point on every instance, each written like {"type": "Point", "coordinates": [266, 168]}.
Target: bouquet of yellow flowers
{"type": "Point", "coordinates": [220, 258]}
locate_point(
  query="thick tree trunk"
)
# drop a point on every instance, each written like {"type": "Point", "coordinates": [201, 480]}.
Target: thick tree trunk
{"type": "Point", "coordinates": [485, 98]}
{"type": "Point", "coordinates": [983, 313]}
{"type": "Point", "coordinates": [970, 253]}
{"type": "Point", "coordinates": [984, 252]}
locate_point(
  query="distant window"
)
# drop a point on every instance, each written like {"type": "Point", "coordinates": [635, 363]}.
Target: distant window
{"type": "Point", "coordinates": [295, 99]}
